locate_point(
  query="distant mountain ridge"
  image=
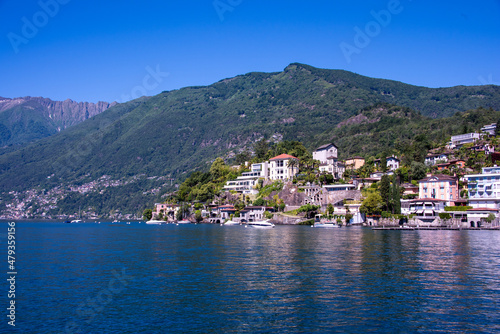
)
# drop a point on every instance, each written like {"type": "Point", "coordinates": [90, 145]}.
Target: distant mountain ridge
{"type": "Point", "coordinates": [180, 131]}
{"type": "Point", "coordinates": [25, 119]}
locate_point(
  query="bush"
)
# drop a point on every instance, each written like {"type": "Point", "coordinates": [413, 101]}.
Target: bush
{"type": "Point", "coordinates": [444, 215]}
{"type": "Point", "coordinates": [268, 215]}
{"type": "Point", "coordinates": [259, 202]}
{"type": "Point", "coordinates": [457, 208]}
{"type": "Point", "coordinates": [385, 214]}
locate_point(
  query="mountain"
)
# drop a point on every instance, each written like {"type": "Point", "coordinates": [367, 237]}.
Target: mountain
{"type": "Point", "coordinates": [124, 158]}
{"type": "Point", "coordinates": [26, 119]}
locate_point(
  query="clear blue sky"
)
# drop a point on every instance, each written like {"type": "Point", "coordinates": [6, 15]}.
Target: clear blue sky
{"type": "Point", "coordinates": [104, 50]}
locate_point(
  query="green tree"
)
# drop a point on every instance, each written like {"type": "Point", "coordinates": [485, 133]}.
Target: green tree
{"type": "Point", "coordinates": [385, 190]}
{"type": "Point", "coordinates": [330, 209]}
{"type": "Point", "coordinates": [268, 215]}
{"type": "Point", "coordinates": [242, 157]}
{"type": "Point", "coordinates": [383, 164]}
{"type": "Point", "coordinates": [491, 217]}
{"type": "Point", "coordinates": [147, 214]}
{"type": "Point", "coordinates": [372, 204]}
{"type": "Point", "coordinates": [259, 202]}
{"type": "Point", "coordinates": [197, 216]}
{"type": "Point", "coordinates": [309, 209]}
{"type": "Point", "coordinates": [418, 170]}
{"type": "Point", "coordinates": [402, 172]}
{"type": "Point", "coordinates": [261, 148]}
{"type": "Point", "coordinates": [219, 169]}
{"type": "Point", "coordinates": [395, 196]}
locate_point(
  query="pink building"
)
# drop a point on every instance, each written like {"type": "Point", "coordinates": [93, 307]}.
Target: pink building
{"type": "Point", "coordinates": [443, 187]}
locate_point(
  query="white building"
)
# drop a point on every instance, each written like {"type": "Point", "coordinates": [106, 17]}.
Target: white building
{"type": "Point", "coordinates": [432, 159]}
{"type": "Point", "coordinates": [460, 140]}
{"type": "Point", "coordinates": [334, 167]}
{"type": "Point", "coordinates": [245, 184]}
{"type": "Point", "coordinates": [325, 153]}
{"type": "Point", "coordinates": [392, 163]}
{"type": "Point", "coordinates": [484, 189]}
{"type": "Point", "coordinates": [425, 208]}
{"type": "Point", "coordinates": [491, 129]}
{"type": "Point", "coordinates": [281, 167]}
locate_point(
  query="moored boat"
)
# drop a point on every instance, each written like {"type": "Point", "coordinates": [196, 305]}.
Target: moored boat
{"type": "Point", "coordinates": [155, 222]}
{"type": "Point", "coordinates": [324, 223]}
{"type": "Point", "coordinates": [261, 224]}
{"type": "Point", "coordinates": [230, 223]}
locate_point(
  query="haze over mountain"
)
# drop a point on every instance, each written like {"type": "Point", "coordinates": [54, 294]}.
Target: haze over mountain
{"type": "Point", "coordinates": [25, 119]}
{"type": "Point", "coordinates": [141, 144]}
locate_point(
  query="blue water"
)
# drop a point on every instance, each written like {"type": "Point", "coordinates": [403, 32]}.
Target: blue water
{"type": "Point", "coordinates": [119, 278]}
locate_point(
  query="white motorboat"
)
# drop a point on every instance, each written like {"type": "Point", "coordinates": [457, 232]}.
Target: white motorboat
{"type": "Point", "coordinates": [184, 221]}
{"type": "Point", "coordinates": [155, 222]}
{"type": "Point", "coordinates": [230, 223]}
{"type": "Point", "coordinates": [76, 221]}
{"type": "Point", "coordinates": [261, 224]}
{"type": "Point", "coordinates": [325, 223]}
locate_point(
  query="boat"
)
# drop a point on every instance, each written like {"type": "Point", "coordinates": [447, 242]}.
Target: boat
{"type": "Point", "coordinates": [230, 223]}
{"type": "Point", "coordinates": [155, 222]}
{"type": "Point", "coordinates": [184, 221]}
{"type": "Point", "coordinates": [327, 224]}
{"type": "Point", "coordinates": [76, 221]}
{"type": "Point", "coordinates": [261, 224]}
{"type": "Point", "coordinates": [324, 223]}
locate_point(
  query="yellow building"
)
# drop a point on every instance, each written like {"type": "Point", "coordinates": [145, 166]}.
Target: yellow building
{"type": "Point", "coordinates": [354, 163]}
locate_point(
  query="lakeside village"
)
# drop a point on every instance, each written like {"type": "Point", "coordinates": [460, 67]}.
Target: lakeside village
{"type": "Point", "coordinates": [455, 186]}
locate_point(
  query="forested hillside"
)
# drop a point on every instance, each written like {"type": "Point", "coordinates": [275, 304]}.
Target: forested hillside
{"type": "Point", "coordinates": [177, 132]}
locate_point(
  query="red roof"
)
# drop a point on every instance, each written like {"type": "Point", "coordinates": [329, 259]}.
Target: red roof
{"type": "Point", "coordinates": [283, 157]}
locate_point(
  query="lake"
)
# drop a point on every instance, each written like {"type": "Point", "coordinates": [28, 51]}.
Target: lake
{"type": "Point", "coordinates": [137, 278]}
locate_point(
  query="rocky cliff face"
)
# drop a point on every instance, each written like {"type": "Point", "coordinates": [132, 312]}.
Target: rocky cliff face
{"type": "Point", "coordinates": [63, 113]}
{"type": "Point", "coordinates": [26, 119]}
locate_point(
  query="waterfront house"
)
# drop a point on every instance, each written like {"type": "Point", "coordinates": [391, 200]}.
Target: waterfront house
{"type": "Point", "coordinates": [484, 188]}
{"type": "Point", "coordinates": [165, 210]}
{"type": "Point", "coordinates": [440, 186]}
{"type": "Point", "coordinates": [225, 211]}
{"type": "Point", "coordinates": [245, 184]}
{"type": "Point", "coordinates": [254, 213]}
{"type": "Point", "coordinates": [283, 167]}
{"type": "Point", "coordinates": [426, 209]}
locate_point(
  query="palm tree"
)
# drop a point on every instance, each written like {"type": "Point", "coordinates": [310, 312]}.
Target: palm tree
{"type": "Point", "coordinates": [292, 164]}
